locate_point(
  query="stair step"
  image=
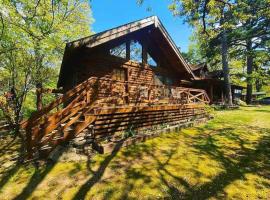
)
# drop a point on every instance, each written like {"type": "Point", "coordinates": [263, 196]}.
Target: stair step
{"type": "Point", "coordinates": [45, 147]}
{"type": "Point", "coordinates": [89, 114]}
{"type": "Point", "coordinates": [57, 138]}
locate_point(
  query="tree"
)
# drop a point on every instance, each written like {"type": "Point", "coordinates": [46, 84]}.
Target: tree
{"type": "Point", "coordinates": [212, 17]}
{"type": "Point", "coordinates": [251, 33]}
{"type": "Point", "coordinates": [228, 29]}
{"type": "Point", "coordinates": [33, 36]}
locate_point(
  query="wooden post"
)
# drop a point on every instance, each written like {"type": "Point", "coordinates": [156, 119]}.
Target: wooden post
{"type": "Point", "coordinates": [144, 52]}
{"type": "Point", "coordinates": [211, 93]}
{"type": "Point", "coordinates": [88, 97]}
{"type": "Point", "coordinates": [39, 96]}
{"type": "Point", "coordinates": [128, 50]}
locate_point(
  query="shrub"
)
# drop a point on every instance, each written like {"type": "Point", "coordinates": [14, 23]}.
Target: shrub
{"type": "Point", "coordinates": [240, 102]}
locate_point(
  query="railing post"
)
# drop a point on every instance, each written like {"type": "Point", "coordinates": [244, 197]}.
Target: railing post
{"type": "Point", "coordinates": [126, 84]}
{"type": "Point", "coordinates": [88, 96]}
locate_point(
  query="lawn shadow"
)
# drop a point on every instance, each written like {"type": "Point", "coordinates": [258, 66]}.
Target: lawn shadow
{"type": "Point", "coordinates": [97, 175]}
{"type": "Point", "coordinates": [254, 160]}
{"type": "Point", "coordinates": [10, 152]}
{"type": "Point", "coordinates": [37, 177]}
{"type": "Point", "coordinates": [249, 161]}
{"type": "Point", "coordinates": [262, 110]}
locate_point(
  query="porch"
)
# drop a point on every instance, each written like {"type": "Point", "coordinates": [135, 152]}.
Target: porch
{"type": "Point", "coordinates": [100, 107]}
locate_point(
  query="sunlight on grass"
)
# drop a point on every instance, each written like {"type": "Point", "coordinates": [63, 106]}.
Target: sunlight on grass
{"type": "Point", "coordinates": [227, 158]}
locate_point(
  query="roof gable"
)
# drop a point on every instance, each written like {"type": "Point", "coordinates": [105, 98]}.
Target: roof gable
{"type": "Point", "coordinates": [111, 34]}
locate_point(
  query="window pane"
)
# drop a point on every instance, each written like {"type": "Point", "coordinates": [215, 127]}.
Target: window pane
{"type": "Point", "coordinates": [119, 51]}
{"type": "Point", "coordinates": [135, 51]}
{"type": "Point", "coordinates": [151, 61]}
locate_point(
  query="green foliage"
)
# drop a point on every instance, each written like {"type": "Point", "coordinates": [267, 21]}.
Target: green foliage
{"type": "Point", "coordinates": [209, 109]}
{"type": "Point", "coordinates": [7, 110]}
{"type": "Point", "coordinates": [240, 102]}
{"type": "Point", "coordinates": [247, 26]}
{"type": "Point", "coordinates": [130, 132]}
{"type": "Point", "coordinates": [32, 42]}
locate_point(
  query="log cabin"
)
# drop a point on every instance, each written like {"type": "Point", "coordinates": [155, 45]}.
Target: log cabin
{"type": "Point", "coordinates": [128, 77]}
{"type": "Point", "coordinates": [212, 82]}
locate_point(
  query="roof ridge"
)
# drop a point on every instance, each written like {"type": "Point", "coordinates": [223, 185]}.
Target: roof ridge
{"type": "Point", "coordinates": [93, 35]}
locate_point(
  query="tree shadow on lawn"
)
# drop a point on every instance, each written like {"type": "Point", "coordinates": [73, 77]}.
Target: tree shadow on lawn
{"type": "Point", "coordinates": [97, 175]}
{"type": "Point", "coordinates": [9, 154]}
{"type": "Point", "coordinates": [262, 110]}
{"type": "Point", "coordinates": [245, 160]}
{"type": "Point", "coordinates": [36, 178]}
{"type": "Point", "coordinates": [255, 160]}
{"type": "Point", "coordinates": [248, 160]}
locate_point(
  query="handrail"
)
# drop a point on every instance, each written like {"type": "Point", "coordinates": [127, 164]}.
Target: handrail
{"type": "Point", "coordinates": [82, 99]}
{"type": "Point", "coordinates": [71, 93]}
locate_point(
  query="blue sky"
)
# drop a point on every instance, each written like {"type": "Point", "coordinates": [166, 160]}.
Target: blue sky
{"type": "Point", "coordinates": [111, 13]}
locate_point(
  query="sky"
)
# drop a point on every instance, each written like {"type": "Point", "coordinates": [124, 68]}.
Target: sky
{"type": "Point", "coordinates": [111, 13]}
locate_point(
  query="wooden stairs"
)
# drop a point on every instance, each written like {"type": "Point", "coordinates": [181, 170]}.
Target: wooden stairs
{"type": "Point", "coordinates": [61, 120]}
{"type": "Point", "coordinates": [89, 106]}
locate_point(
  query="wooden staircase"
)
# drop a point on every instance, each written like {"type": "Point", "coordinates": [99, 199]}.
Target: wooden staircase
{"type": "Point", "coordinates": [61, 120]}
{"type": "Point", "coordinates": [96, 100]}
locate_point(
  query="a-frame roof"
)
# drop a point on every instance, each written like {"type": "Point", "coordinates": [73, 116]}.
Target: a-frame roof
{"type": "Point", "coordinates": [111, 34]}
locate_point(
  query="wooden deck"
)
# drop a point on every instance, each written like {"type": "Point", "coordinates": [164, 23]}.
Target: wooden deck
{"type": "Point", "coordinates": [102, 107]}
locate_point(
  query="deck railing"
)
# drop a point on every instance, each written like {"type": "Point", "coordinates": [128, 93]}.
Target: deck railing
{"type": "Point", "coordinates": [51, 125]}
{"type": "Point", "coordinates": [141, 93]}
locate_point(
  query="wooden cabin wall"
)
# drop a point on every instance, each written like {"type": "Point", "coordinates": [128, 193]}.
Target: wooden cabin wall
{"type": "Point", "coordinates": [97, 62]}
{"type": "Point", "coordinates": [110, 67]}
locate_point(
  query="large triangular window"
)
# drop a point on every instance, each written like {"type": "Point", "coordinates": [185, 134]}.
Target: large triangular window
{"type": "Point", "coordinates": [151, 61]}
{"type": "Point", "coordinates": [119, 51]}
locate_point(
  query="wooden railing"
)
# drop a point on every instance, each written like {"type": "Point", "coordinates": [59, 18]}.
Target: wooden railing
{"type": "Point", "coordinates": [52, 125]}
{"type": "Point", "coordinates": [141, 93]}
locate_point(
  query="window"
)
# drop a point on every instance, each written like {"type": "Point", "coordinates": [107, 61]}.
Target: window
{"type": "Point", "coordinates": [162, 80]}
{"type": "Point", "coordinates": [151, 61]}
{"type": "Point", "coordinates": [118, 74]}
{"type": "Point", "coordinates": [135, 51]}
{"type": "Point", "coordinates": [168, 81]}
{"type": "Point", "coordinates": [236, 91]}
{"type": "Point", "coordinates": [158, 80]}
{"type": "Point", "coordinates": [119, 51]}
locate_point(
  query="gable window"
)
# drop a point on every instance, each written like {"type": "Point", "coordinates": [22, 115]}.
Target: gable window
{"type": "Point", "coordinates": [135, 51]}
{"type": "Point", "coordinates": [151, 61]}
{"type": "Point", "coordinates": [119, 51]}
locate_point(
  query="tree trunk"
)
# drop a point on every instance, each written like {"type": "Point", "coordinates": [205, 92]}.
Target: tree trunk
{"type": "Point", "coordinates": [258, 85]}
{"type": "Point", "coordinates": [39, 96]}
{"type": "Point", "coordinates": [225, 66]}
{"type": "Point", "coordinates": [249, 72]}
{"type": "Point", "coordinates": [258, 82]}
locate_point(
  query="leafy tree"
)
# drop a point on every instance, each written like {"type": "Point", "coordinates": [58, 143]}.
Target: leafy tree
{"type": "Point", "coordinates": [211, 18]}
{"type": "Point", "coordinates": [251, 34]}
{"type": "Point", "coordinates": [229, 29]}
{"type": "Point", "coordinates": [33, 35]}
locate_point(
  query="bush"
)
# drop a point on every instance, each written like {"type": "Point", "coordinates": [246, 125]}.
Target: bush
{"type": "Point", "coordinates": [209, 109]}
{"type": "Point", "coordinates": [240, 102]}
{"type": "Point", "coordinates": [130, 132]}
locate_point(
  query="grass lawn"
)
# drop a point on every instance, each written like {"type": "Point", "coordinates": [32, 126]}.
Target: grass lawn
{"type": "Point", "coordinates": [227, 158]}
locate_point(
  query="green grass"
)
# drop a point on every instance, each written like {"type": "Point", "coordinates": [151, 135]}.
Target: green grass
{"type": "Point", "coordinates": [227, 158]}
